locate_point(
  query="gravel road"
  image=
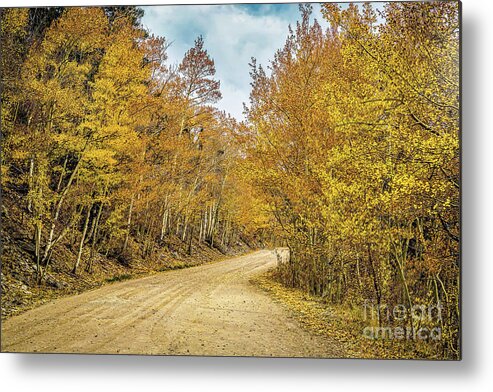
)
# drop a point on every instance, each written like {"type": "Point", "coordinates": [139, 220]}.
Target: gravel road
{"type": "Point", "coordinates": [211, 309]}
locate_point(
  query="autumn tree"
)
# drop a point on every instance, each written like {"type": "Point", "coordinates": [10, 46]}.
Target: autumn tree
{"type": "Point", "coordinates": [354, 146]}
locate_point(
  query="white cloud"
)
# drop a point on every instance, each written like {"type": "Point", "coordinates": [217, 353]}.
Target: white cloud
{"type": "Point", "coordinates": [232, 35]}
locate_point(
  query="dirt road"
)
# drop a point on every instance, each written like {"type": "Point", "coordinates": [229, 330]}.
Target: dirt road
{"type": "Point", "coordinates": [206, 310]}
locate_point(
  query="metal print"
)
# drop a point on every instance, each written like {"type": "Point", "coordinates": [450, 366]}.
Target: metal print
{"type": "Point", "coordinates": [232, 180]}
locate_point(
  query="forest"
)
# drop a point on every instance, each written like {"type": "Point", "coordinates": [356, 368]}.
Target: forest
{"type": "Point", "coordinates": [349, 155]}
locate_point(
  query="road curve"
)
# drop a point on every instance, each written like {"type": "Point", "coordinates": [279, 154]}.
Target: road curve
{"type": "Point", "coordinates": [206, 310]}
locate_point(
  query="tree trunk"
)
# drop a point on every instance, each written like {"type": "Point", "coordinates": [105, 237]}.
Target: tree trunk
{"type": "Point", "coordinates": [62, 174]}
{"type": "Point", "coordinates": [94, 237]}
{"type": "Point", "coordinates": [129, 223]}
{"type": "Point", "coordinates": [37, 248]}
{"type": "Point", "coordinates": [201, 228]}
{"type": "Point", "coordinates": [164, 224]}
{"type": "Point", "coordinates": [190, 241]}
{"type": "Point", "coordinates": [82, 239]}
{"type": "Point", "coordinates": [376, 287]}
{"type": "Point", "coordinates": [185, 227]}
{"type": "Point", "coordinates": [30, 183]}
{"type": "Point", "coordinates": [51, 241]}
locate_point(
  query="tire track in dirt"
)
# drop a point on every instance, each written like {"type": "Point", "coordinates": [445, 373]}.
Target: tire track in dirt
{"type": "Point", "coordinates": [205, 310]}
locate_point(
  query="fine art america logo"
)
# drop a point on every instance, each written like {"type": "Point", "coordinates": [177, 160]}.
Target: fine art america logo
{"type": "Point", "coordinates": [418, 322]}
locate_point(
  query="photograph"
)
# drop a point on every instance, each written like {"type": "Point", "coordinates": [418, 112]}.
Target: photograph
{"type": "Point", "coordinates": [232, 180]}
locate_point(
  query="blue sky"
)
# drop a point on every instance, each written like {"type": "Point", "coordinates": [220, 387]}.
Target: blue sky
{"type": "Point", "coordinates": [233, 33]}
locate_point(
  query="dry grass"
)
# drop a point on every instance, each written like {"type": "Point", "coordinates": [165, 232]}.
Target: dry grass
{"type": "Point", "coordinates": [342, 322]}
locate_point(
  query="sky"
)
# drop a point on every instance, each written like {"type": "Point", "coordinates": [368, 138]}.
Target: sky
{"type": "Point", "coordinates": [233, 34]}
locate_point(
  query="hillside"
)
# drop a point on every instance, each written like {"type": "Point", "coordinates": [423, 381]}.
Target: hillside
{"type": "Point", "coordinates": [21, 292]}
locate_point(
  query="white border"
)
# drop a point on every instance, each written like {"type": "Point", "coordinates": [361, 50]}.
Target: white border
{"type": "Point", "coordinates": [474, 373]}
